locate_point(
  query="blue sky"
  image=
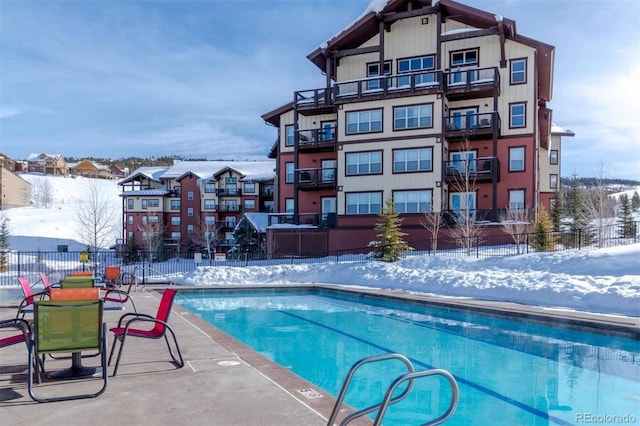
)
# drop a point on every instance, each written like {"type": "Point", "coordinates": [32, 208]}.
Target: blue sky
{"type": "Point", "coordinates": [192, 78]}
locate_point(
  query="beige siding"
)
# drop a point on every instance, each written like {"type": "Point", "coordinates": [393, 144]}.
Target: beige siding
{"type": "Point", "coordinates": [409, 38]}
{"type": "Point", "coordinates": [546, 168]}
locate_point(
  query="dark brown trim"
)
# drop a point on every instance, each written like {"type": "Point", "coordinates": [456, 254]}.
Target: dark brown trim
{"type": "Point", "coordinates": [346, 122]}
{"type": "Point", "coordinates": [524, 190]}
{"type": "Point", "coordinates": [526, 71]}
{"type": "Point", "coordinates": [353, 52]}
{"type": "Point", "coordinates": [393, 116]}
{"type": "Point", "coordinates": [524, 159]}
{"type": "Point", "coordinates": [511, 104]}
{"type": "Point", "coordinates": [393, 193]}
{"type": "Point", "coordinates": [346, 166]}
{"type": "Point", "coordinates": [393, 152]}
{"type": "Point", "coordinates": [557, 185]}
{"type": "Point", "coordinates": [363, 192]}
{"type": "Point", "coordinates": [452, 52]}
{"type": "Point", "coordinates": [389, 139]}
{"type": "Point", "coordinates": [551, 162]}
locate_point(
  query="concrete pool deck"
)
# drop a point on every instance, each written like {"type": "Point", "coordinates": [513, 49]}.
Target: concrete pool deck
{"type": "Point", "coordinates": [223, 382]}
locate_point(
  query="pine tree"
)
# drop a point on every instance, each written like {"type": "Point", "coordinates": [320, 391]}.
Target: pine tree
{"type": "Point", "coordinates": [575, 210]}
{"type": "Point", "coordinates": [556, 211]}
{"type": "Point", "coordinates": [625, 220]}
{"type": "Point", "coordinates": [391, 247]}
{"type": "Point", "coordinates": [4, 244]}
{"type": "Point", "coordinates": [635, 200]}
{"type": "Point", "coordinates": [542, 232]}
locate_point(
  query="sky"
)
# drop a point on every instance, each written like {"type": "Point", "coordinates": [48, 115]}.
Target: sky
{"type": "Point", "coordinates": [603, 281]}
{"type": "Point", "coordinates": [192, 78]}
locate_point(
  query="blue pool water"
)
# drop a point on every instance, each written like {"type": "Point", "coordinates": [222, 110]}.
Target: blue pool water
{"type": "Point", "coordinates": [508, 372]}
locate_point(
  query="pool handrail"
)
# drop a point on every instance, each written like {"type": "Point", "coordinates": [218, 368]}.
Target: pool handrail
{"type": "Point", "coordinates": [372, 408]}
{"type": "Point", "coordinates": [412, 376]}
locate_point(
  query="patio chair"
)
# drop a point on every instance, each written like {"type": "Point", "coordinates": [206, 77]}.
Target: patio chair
{"type": "Point", "coordinates": [159, 330]}
{"type": "Point", "coordinates": [47, 284]}
{"type": "Point", "coordinates": [116, 295]}
{"type": "Point", "coordinates": [67, 327]}
{"type": "Point", "coordinates": [18, 324]}
{"type": "Point", "coordinates": [78, 281]}
{"type": "Point", "coordinates": [26, 304]}
{"type": "Point", "coordinates": [112, 276]}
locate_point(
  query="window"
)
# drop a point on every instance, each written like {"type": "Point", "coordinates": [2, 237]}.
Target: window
{"type": "Point", "coordinates": [464, 58]}
{"type": "Point", "coordinates": [144, 204]}
{"type": "Point", "coordinates": [289, 173]}
{"type": "Point", "coordinates": [144, 235]}
{"type": "Point", "coordinates": [373, 70]}
{"type": "Point", "coordinates": [516, 199]}
{"type": "Point", "coordinates": [230, 221]}
{"type": "Point", "coordinates": [189, 229]}
{"type": "Point", "coordinates": [144, 220]}
{"type": "Point", "coordinates": [553, 181]}
{"type": "Point", "coordinates": [190, 195]}
{"type": "Point", "coordinates": [130, 236]}
{"type": "Point", "coordinates": [412, 160]}
{"type": "Point", "coordinates": [553, 157]}
{"type": "Point", "coordinates": [175, 220]}
{"type": "Point", "coordinates": [130, 204]}
{"type": "Point", "coordinates": [249, 188]}
{"type": "Point", "coordinates": [249, 204]}
{"type": "Point", "coordinates": [289, 135]}
{"type": "Point", "coordinates": [209, 187]}
{"type": "Point", "coordinates": [364, 163]}
{"type": "Point", "coordinates": [209, 204]}
{"type": "Point", "coordinates": [288, 205]}
{"type": "Point", "coordinates": [190, 212]}
{"type": "Point", "coordinates": [209, 220]}
{"type": "Point", "coordinates": [364, 203]}
{"type": "Point", "coordinates": [412, 201]}
{"type": "Point", "coordinates": [153, 219]}
{"type": "Point", "coordinates": [175, 236]}
{"type": "Point", "coordinates": [517, 115]}
{"type": "Point", "coordinates": [130, 219]}
{"type": "Point", "coordinates": [516, 159]}
{"type": "Point", "coordinates": [518, 71]}
{"type": "Point", "coordinates": [364, 121]}
{"type": "Point", "coordinates": [413, 117]}
{"type": "Point", "coordinates": [465, 118]}
{"type": "Point", "coordinates": [176, 189]}
{"type": "Point", "coordinates": [413, 65]}
{"type": "Point", "coordinates": [153, 202]}
{"type": "Point", "coordinates": [175, 204]}
{"type": "Point", "coordinates": [230, 181]}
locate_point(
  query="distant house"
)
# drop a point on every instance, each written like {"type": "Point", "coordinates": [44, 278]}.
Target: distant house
{"type": "Point", "coordinates": [89, 169]}
{"type": "Point", "coordinates": [14, 191]}
{"type": "Point", "coordinates": [9, 163]}
{"type": "Point", "coordinates": [50, 164]}
{"type": "Point", "coordinates": [251, 233]}
{"type": "Point", "coordinates": [116, 172]}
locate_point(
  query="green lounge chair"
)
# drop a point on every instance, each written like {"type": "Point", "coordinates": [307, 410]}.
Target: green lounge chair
{"type": "Point", "coordinates": [77, 282]}
{"type": "Point", "coordinates": [67, 327]}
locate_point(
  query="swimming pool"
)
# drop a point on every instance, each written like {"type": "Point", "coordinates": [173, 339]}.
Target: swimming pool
{"type": "Point", "coordinates": [508, 372]}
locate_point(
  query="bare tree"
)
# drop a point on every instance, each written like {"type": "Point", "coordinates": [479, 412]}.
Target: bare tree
{"type": "Point", "coordinates": [42, 193]}
{"type": "Point", "coordinates": [599, 206]}
{"type": "Point", "coordinates": [462, 174]}
{"type": "Point", "coordinates": [97, 217]}
{"type": "Point", "coordinates": [432, 222]}
{"type": "Point", "coordinates": [152, 237]}
{"type": "Point", "coordinates": [517, 222]}
{"type": "Point", "coordinates": [206, 236]}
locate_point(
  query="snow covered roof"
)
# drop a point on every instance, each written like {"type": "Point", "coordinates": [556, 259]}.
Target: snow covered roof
{"type": "Point", "coordinates": [259, 221]}
{"type": "Point", "coordinates": [250, 170]}
{"type": "Point", "coordinates": [145, 192]}
{"type": "Point", "coordinates": [151, 173]}
{"type": "Point", "coordinates": [560, 131]}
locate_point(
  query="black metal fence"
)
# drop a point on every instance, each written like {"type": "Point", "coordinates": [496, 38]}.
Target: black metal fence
{"type": "Point", "coordinates": [156, 268]}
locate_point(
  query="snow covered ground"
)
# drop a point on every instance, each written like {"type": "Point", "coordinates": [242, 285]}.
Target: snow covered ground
{"type": "Point", "coordinates": [603, 281]}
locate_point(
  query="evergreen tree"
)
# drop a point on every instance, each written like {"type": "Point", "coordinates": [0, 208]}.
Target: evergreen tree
{"type": "Point", "coordinates": [556, 211]}
{"type": "Point", "coordinates": [131, 251]}
{"type": "Point", "coordinates": [543, 232]}
{"type": "Point", "coordinates": [391, 247]}
{"type": "Point", "coordinates": [4, 244]}
{"type": "Point", "coordinates": [635, 200]}
{"type": "Point", "coordinates": [625, 221]}
{"type": "Point", "coordinates": [575, 210]}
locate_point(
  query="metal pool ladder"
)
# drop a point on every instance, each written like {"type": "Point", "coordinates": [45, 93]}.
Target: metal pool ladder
{"type": "Point", "coordinates": [382, 406]}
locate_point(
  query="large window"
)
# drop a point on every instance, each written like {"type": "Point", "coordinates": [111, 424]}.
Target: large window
{"type": "Point", "coordinates": [189, 195]}
{"type": "Point", "coordinates": [364, 163]}
{"type": "Point", "coordinates": [209, 187]}
{"type": "Point", "coordinates": [517, 115]}
{"type": "Point", "coordinates": [518, 71]}
{"type": "Point", "coordinates": [553, 157]}
{"type": "Point", "coordinates": [289, 173]}
{"type": "Point", "coordinates": [289, 135]}
{"type": "Point", "coordinates": [412, 160]}
{"type": "Point", "coordinates": [412, 201]}
{"type": "Point", "coordinates": [412, 65]}
{"type": "Point", "coordinates": [190, 212]}
{"type": "Point", "coordinates": [516, 199]}
{"type": "Point", "coordinates": [175, 204]}
{"type": "Point", "coordinates": [154, 219]}
{"type": "Point", "coordinates": [413, 117]}
{"type": "Point", "coordinates": [175, 236]}
{"type": "Point", "coordinates": [209, 204]}
{"type": "Point", "coordinates": [516, 159]}
{"type": "Point", "coordinates": [249, 188]}
{"type": "Point", "coordinates": [373, 70]}
{"type": "Point", "coordinates": [130, 204]}
{"type": "Point", "coordinates": [464, 58]}
{"type": "Point", "coordinates": [288, 205]}
{"type": "Point", "coordinates": [249, 204]}
{"type": "Point", "coordinates": [364, 203]}
{"type": "Point", "coordinates": [209, 220]}
{"type": "Point", "coordinates": [364, 121]}
{"type": "Point", "coordinates": [189, 229]}
{"type": "Point", "coordinates": [130, 219]}
{"type": "Point", "coordinates": [175, 220]}
{"type": "Point", "coordinates": [553, 181]}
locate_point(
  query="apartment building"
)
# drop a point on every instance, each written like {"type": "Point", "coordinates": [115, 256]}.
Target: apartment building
{"type": "Point", "coordinates": [14, 191]}
{"type": "Point", "coordinates": [441, 106]}
{"type": "Point", "coordinates": [193, 206]}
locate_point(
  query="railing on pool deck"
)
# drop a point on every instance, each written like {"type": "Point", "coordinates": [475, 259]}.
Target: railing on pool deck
{"type": "Point", "coordinates": [389, 399]}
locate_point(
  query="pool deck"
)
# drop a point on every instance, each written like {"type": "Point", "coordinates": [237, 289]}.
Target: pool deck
{"type": "Point", "coordinates": [222, 383]}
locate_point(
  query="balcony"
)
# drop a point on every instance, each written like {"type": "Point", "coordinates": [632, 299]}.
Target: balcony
{"type": "Point", "coordinates": [323, 101]}
{"type": "Point", "coordinates": [228, 192]}
{"type": "Point", "coordinates": [473, 170]}
{"type": "Point", "coordinates": [316, 140]}
{"type": "Point", "coordinates": [315, 179]}
{"type": "Point", "coordinates": [312, 219]}
{"type": "Point", "coordinates": [472, 126]}
{"type": "Point", "coordinates": [230, 208]}
{"type": "Point", "coordinates": [471, 83]}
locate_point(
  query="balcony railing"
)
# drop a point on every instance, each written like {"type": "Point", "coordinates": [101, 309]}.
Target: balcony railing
{"type": "Point", "coordinates": [312, 219]}
{"type": "Point", "coordinates": [472, 126]}
{"type": "Point", "coordinates": [222, 208]}
{"type": "Point", "coordinates": [228, 192]}
{"type": "Point", "coordinates": [316, 139]}
{"type": "Point", "coordinates": [473, 170]}
{"type": "Point", "coordinates": [310, 179]}
{"type": "Point", "coordinates": [471, 82]}
{"type": "Point", "coordinates": [409, 82]}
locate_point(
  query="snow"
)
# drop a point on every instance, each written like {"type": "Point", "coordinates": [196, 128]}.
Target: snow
{"type": "Point", "coordinates": [601, 280]}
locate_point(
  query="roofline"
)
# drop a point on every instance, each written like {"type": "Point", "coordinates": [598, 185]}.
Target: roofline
{"type": "Point", "coordinates": [273, 117]}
